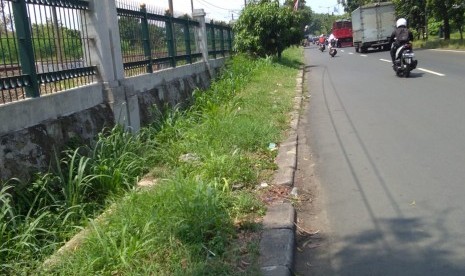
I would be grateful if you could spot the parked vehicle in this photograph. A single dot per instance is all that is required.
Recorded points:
(372, 26)
(405, 60)
(342, 30)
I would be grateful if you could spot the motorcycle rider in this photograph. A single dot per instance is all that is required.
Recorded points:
(400, 36)
(332, 40)
(322, 39)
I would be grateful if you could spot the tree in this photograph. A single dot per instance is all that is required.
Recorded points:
(306, 17)
(129, 29)
(458, 17)
(5, 19)
(304, 13)
(324, 22)
(440, 9)
(415, 13)
(265, 28)
(291, 3)
(351, 5)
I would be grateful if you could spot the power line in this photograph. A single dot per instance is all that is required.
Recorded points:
(210, 4)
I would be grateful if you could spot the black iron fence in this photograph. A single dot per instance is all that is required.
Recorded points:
(45, 44)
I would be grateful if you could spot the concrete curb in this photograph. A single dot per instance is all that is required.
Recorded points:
(278, 239)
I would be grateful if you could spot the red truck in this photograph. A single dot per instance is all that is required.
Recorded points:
(342, 30)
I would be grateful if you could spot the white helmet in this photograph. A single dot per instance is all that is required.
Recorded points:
(401, 22)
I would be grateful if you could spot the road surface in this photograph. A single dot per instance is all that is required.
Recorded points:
(384, 160)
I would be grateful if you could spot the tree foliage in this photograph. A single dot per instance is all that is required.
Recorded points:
(291, 3)
(440, 11)
(5, 19)
(351, 5)
(451, 13)
(458, 17)
(264, 29)
(46, 42)
(415, 13)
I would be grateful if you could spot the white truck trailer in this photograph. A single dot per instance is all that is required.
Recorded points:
(372, 26)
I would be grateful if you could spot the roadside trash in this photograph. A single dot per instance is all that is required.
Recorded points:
(237, 186)
(294, 192)
(272, 146)
(189, 157)
(264, 185)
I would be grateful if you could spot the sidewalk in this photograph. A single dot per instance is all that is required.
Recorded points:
(278, 240)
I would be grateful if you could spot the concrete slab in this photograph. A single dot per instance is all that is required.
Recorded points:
(280, 216)
(277, 247)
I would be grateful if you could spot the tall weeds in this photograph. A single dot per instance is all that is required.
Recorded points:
(210, 154)
(49, 210)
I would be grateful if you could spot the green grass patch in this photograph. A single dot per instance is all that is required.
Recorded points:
(208, 159)
(454, 43)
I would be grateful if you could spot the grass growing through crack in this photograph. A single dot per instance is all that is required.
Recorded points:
(208, 159)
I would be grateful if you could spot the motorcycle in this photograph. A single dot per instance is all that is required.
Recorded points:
(332, 48)
(322, 47)
(405, 60)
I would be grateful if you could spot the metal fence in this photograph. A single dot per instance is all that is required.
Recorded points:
(45, 44)
(43, 47)
(219, 39)
(151, 39)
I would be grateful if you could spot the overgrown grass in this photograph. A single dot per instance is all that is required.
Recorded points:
(455, 43)
(55, 205)
(208, 159)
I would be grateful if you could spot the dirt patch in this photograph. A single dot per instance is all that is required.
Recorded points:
(275, 194)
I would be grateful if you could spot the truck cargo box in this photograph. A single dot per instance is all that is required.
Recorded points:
(372, 26)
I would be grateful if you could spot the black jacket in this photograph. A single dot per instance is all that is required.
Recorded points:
(396, 32)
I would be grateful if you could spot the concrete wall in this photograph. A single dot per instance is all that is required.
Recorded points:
(31, 131)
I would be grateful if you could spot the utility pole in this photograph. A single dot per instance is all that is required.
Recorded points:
(245, 3)
(192, 6)
(170, 3)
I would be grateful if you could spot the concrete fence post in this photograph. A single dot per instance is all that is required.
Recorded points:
(202, 38)
(105, 52)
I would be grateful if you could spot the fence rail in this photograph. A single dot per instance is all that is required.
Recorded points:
(45, 48)
(220, 39)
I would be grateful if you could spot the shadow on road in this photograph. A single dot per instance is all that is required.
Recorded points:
(404, 247)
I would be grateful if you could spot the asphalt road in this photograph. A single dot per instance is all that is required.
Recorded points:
(388, 154)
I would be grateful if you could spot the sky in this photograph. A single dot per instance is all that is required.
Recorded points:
(226, 10)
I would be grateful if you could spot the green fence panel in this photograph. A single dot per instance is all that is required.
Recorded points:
(146, 39)
(26, 50)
